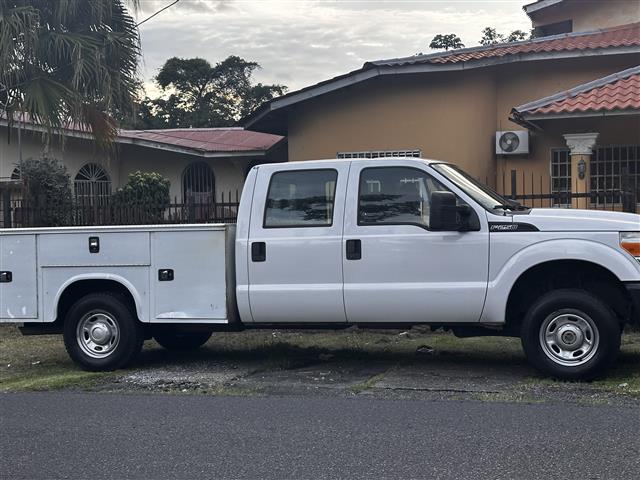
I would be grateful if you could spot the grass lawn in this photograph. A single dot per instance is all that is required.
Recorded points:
(41, 362)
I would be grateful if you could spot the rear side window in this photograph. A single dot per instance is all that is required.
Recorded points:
(301, 198)
(395, 196)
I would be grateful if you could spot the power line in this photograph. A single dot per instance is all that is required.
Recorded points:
(157, 13)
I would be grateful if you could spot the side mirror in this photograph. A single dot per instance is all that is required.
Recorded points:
(443, 214)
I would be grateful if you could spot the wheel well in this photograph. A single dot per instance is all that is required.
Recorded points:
(81, 288)
(554, 275)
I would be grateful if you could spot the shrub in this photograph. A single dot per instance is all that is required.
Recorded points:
(143, 199)
(48, 198)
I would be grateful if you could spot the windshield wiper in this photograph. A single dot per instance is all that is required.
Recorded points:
(510, 205)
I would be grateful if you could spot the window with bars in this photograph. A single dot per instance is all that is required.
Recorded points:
(198, 184)
(561, 177)
(380, 154)
(615, 171)
(92, 185)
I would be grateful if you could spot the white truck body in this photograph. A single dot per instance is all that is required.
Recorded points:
(345, 263)
(46, 261)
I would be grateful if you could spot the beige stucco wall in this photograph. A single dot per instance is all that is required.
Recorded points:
(519, 84)
(73, 153)
(590, 14)
(229, 172)
(444, 115)
(449, 116)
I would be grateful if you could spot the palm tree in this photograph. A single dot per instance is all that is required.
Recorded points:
(68, 61)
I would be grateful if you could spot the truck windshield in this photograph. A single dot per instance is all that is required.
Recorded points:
(480, 193)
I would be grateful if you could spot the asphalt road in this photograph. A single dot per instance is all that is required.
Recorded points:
(73, 435)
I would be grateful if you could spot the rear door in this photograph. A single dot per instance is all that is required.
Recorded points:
(295, 244)
(18, 277)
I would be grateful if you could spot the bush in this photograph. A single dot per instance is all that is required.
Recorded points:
(143, 199)
(48, 198)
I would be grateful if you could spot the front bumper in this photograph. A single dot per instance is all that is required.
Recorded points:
(633, 288)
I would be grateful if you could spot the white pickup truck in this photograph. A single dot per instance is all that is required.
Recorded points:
(385, 243)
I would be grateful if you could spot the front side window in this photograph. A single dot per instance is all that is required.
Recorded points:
(302, 198)
(395, 195)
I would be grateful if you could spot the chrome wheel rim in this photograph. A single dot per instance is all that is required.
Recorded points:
(569, 338)
(98, 334)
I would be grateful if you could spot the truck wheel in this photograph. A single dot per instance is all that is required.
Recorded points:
(175, 340)
(101, 333)
(570, 334)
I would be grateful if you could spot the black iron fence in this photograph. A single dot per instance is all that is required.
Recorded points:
(16, 212)
(547, 192)
(527, 188)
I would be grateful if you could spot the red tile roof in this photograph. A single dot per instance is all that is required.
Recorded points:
(622, 36)
(620, 95)
(621, 40)
(620, 91)
(227, 139)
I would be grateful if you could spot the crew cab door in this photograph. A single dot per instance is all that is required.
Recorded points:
(295, 243)
(395, 268)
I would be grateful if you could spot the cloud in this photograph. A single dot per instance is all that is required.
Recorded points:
(299, 43)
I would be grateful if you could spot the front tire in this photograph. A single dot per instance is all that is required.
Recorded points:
(570, 334)
(101, 332)
(181, 341)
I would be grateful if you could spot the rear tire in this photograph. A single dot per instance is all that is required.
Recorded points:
(101, 333)
(571, 335)
(181, 341)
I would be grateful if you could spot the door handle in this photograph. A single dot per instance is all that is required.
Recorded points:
(6, 277)
(165, 275)
(354, 249)
(258, 251)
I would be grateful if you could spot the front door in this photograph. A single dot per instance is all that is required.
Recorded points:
(404, 272)
(295, 244)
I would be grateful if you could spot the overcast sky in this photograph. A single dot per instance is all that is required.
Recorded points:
(302, 42)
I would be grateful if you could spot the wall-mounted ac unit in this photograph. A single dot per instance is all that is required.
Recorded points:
(514, 142)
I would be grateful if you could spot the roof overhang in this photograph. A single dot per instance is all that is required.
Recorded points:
(540, 5)
(532, 121)
(527, 114)
(125, 140)
(272, 115)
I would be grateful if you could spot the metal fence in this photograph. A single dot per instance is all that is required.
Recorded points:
(543, 192)
(526, 188)
(17, 212)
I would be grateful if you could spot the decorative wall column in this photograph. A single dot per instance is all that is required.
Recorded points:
(581, 145)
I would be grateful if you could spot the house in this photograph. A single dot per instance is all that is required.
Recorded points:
(571, 94)
(204, 165)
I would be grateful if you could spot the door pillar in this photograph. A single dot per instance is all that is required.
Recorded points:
(581, 146)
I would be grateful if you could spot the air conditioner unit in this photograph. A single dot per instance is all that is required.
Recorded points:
(512, 142)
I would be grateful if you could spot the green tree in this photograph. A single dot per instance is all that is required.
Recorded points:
(446, 42)
(143, 199)
(202, 95)
(47, 187)
(68, 60)
(490, 36)
(517, 36)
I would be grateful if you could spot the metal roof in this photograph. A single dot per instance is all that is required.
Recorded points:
(619, 92)
(226, 139)
(207, 142)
